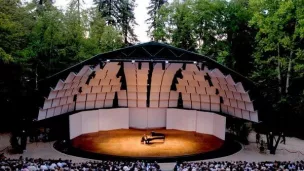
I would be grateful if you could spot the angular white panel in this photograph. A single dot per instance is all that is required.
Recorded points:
(141, 88)
(122, 103)
(60, 93)
(63, 100)
(80, 105)
(211, 90)
(132, 88)
(215, 107)
(132, 103)
(155, 89)
(245, 97)
(231, 111)
(110, 96)
(57, 110)
(224, 87)
(231, 88)
(205, 98)
(190, 89)
(91, 97)
(122, 94)
(106, 88)
(164, 96)
(42, 114)
(195, 98)
(196, 105)
(68, 92)
(241, 105)
(55, 102)
(52, 94)
(187, 104)
(172, 103)
(164, 88)
(254, 116)
(239, 87)
(154, 103)
(142, 96)
(224, 109)
(64, 109)
(71, 107)
(215, 99)
(238, 112)
(132, 95)
(104, 82)
(141, 103)
(230, 80)
(193, 83)
(94, 82)
(67, 85)
(233, 103)
(246, 114)
(101, 96)
(164, 103)
(86, 89)
(237, 96)
(47, 104)
(99, 104)
(70, 100)
(50, 112)
(81, 97)
(186, 96)
(249, 106)
(201, 90)
(90, 105)
(108, 103)
(70, 77)
(174, 95)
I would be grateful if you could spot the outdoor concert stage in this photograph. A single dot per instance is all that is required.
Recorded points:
(127, 143)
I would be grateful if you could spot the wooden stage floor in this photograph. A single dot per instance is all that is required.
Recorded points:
(127, 142)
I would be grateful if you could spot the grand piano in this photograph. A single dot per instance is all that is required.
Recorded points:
(154, 136)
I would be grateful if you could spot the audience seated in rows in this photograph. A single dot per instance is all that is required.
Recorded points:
(64, 165)
(240, 166)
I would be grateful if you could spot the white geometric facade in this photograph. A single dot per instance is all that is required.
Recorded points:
(200, 89)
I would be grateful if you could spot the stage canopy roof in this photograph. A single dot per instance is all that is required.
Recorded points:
(152, 75)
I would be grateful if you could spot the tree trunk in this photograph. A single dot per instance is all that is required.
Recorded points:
(288, 72)
(279, 71)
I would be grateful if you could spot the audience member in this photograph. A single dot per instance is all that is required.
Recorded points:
(26, 164)
(240, 166)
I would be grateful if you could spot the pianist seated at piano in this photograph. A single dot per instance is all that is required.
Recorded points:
(154, 136)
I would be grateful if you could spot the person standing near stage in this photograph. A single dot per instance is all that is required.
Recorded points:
(257, 137)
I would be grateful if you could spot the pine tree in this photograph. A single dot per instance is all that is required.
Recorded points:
(126, 20)
(108, 10)
(153, 8)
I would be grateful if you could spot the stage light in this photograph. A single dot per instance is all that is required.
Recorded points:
(133, 61)
(108, 60)
(194, 62)
(167, 62)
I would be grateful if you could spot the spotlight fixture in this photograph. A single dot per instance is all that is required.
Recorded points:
(133, 61)
(167, 62)
(108, 60)
(194, 62)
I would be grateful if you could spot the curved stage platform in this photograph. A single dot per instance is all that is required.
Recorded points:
(126, 144)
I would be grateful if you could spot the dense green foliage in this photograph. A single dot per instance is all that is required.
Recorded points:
(262, 40)
(37, 40)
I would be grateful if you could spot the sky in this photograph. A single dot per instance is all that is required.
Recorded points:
(140, 16)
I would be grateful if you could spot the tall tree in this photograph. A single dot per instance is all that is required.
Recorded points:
(279, 53)
(153, 8)
(108, 10)
(126, 21)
